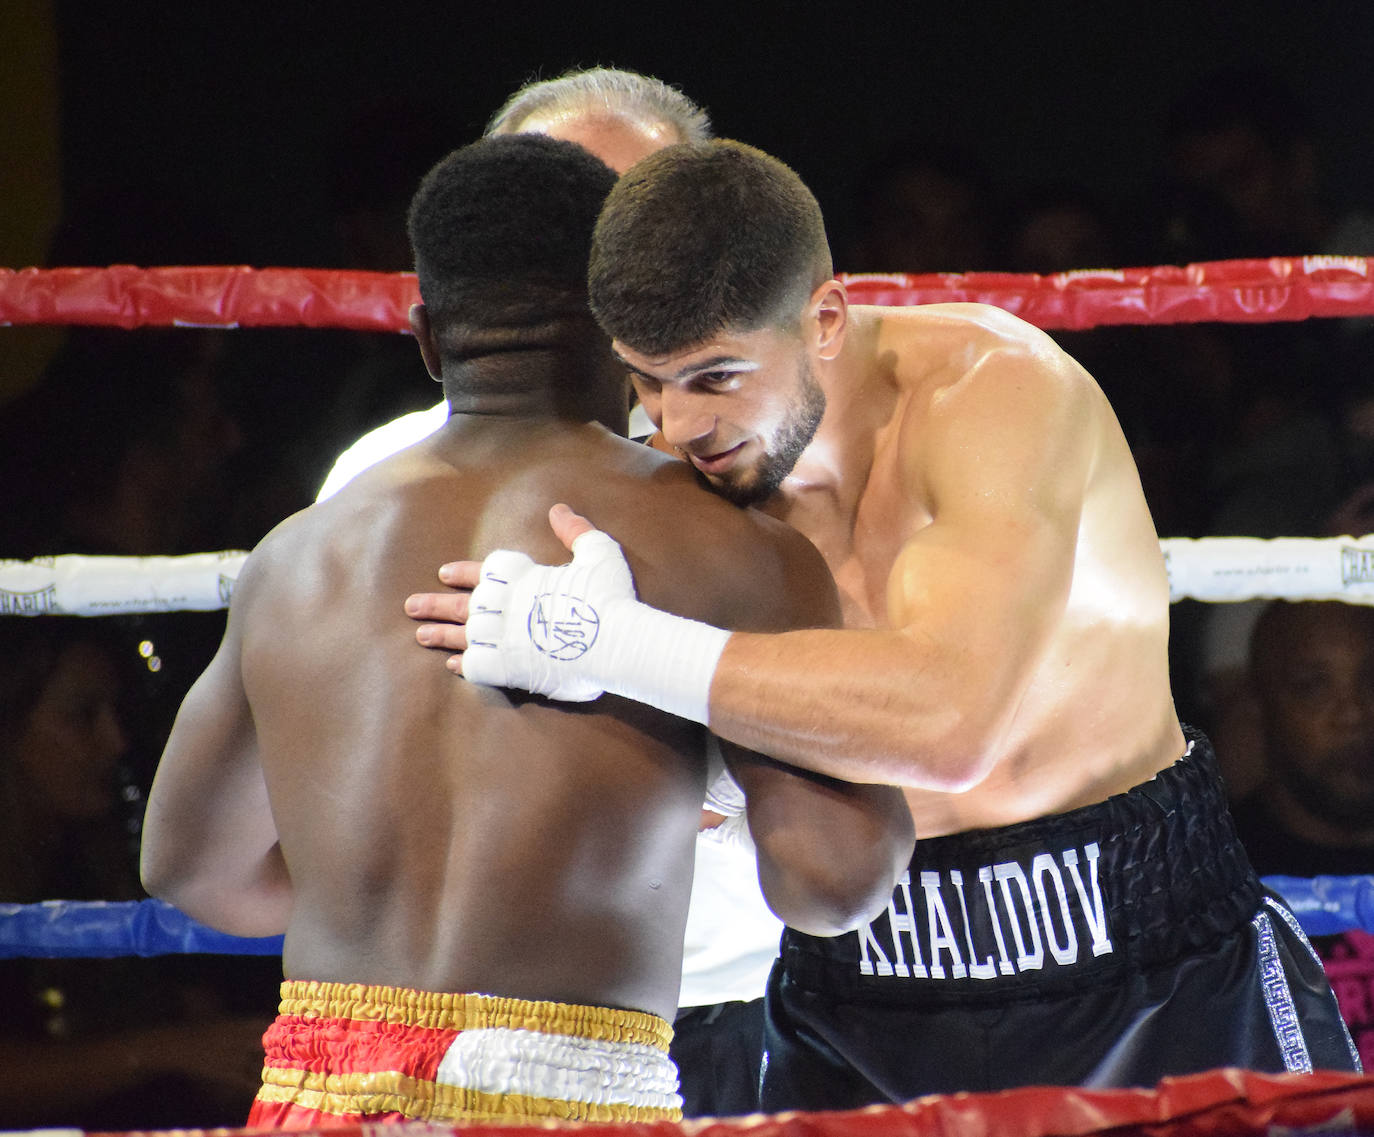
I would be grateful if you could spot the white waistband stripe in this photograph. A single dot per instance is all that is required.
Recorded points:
(503, 1061)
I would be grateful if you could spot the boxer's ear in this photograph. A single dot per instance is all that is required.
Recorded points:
(424, 336)
(829, 307)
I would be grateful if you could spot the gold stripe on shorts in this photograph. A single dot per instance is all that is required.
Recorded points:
(439, 1010)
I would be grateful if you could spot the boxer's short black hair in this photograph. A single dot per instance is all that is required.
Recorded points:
(501, 230)
(704, 237)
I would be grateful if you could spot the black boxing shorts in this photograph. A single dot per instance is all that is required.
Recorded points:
(1108, 946)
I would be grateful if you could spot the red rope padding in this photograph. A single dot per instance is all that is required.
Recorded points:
(225, 296)
(1248, 291)
(1220, 1103)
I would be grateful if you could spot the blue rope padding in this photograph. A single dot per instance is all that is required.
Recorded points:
(100, 929)
(1325, 905)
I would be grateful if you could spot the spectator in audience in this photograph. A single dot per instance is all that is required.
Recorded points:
(1311, 678)
(101, 1044)
(1292, 459)
(125, 449)
(1243, 174)
(922, 205)
(1060, 227)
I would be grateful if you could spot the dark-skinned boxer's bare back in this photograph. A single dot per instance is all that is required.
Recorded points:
(476, 839)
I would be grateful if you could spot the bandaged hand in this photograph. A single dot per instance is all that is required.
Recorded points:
(530, 625)
(574, 631)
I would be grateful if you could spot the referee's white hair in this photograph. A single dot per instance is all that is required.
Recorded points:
(622, 93)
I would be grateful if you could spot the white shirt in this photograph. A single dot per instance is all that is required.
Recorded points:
(382, 442)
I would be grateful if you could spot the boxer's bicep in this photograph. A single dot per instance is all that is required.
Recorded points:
(210, 843)
(982, 581)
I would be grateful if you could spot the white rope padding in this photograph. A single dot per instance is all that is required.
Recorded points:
(1213, 569)
(73, 585)
(1225, 569)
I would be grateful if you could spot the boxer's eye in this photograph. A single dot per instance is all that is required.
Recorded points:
(720, 380)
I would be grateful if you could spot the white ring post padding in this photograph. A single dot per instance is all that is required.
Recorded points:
(73, 585)
(1224, 569)
(1214, 569)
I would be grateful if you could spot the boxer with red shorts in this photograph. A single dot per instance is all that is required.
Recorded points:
(345, 1052)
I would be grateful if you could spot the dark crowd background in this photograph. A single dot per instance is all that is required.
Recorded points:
(981, 135)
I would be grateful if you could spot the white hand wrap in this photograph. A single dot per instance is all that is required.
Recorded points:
(574, 631)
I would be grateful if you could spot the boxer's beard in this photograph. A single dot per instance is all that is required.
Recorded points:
(791, 438)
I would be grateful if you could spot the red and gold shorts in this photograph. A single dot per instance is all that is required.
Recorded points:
(345, 1052)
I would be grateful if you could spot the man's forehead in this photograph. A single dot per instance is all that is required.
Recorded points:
(618, 140)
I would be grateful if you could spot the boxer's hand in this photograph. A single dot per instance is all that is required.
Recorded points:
(451, 608)
(570, 631)
(519, 624)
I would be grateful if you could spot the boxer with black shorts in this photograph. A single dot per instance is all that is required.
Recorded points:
(1004, 659)
(1109, 946)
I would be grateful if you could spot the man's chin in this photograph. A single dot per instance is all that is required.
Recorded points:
(738, 493)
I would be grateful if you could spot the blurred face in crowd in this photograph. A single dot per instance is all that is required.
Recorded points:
(1313, 669)
(73, 738)
(1265, 183)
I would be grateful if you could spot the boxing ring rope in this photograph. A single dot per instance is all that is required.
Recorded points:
(1213, 569)
(1220, 1102)
(103, 929)
(237, 296)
